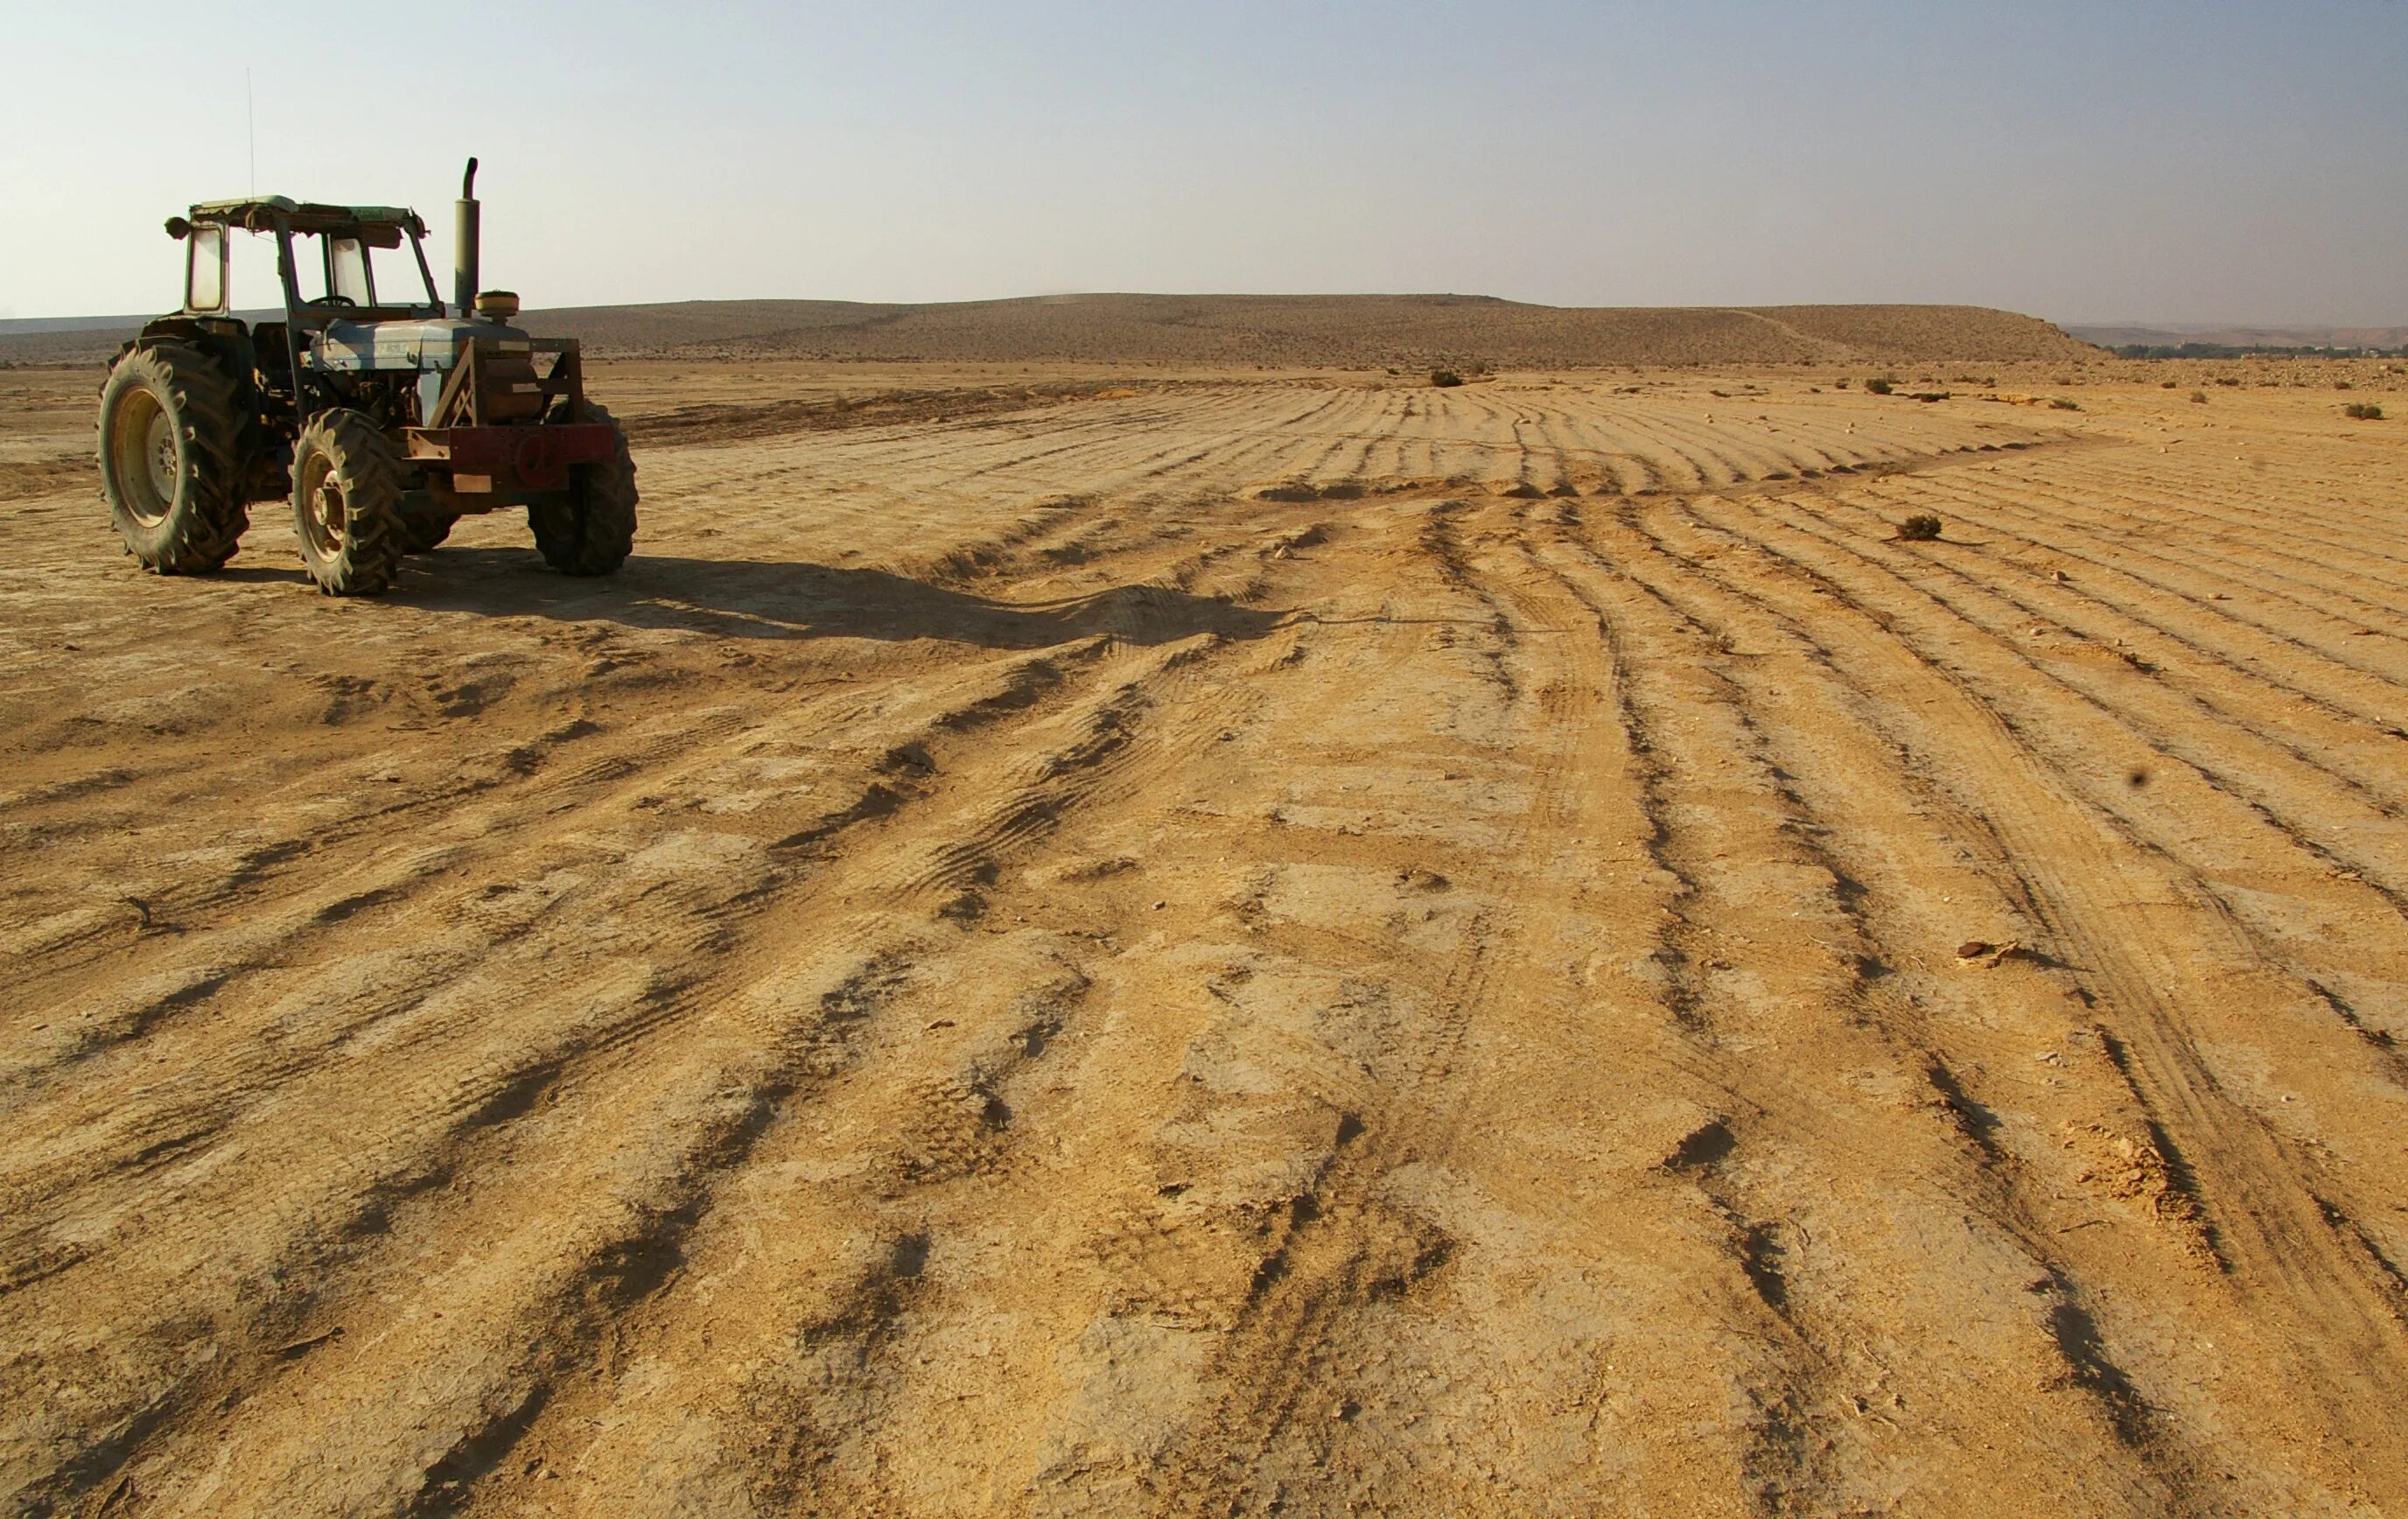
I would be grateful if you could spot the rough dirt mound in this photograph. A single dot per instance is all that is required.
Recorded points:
(1277, 331)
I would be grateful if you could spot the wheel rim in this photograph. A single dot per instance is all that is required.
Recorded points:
(146, 457)
(323, 510)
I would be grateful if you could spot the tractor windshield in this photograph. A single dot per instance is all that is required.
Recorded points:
(398, 276)
(360, 272)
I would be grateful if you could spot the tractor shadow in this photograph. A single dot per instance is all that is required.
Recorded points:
(757, 599)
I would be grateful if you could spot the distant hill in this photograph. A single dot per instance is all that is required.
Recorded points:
(2226, 335)
(1313, 330)
(1280, 330)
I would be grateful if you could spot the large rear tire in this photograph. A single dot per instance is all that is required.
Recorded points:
(593, 530)
(171, 459)
(346, 503)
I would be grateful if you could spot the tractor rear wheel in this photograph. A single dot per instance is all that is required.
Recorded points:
(346, 503)
(593, 530)
(171, 461)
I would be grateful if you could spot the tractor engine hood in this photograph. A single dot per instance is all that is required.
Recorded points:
(431, 343)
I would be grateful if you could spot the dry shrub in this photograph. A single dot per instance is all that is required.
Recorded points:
(2061, 404)
(1443, 377)
(2362, 411)
(2199, 397)
(1920, 528)
(1880, 386)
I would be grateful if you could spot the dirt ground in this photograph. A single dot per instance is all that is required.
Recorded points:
(1228, 944)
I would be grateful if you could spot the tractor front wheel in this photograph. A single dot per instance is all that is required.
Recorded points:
(346, 503)
(593, 530)
(422, 532)
(171, 463)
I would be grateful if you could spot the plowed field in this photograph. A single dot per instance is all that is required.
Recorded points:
(1224, 944)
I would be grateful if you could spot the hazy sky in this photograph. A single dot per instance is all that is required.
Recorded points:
(2083, 161)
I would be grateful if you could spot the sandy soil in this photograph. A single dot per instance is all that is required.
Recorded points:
(1224, 943)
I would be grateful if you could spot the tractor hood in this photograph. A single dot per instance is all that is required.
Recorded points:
(422, 343)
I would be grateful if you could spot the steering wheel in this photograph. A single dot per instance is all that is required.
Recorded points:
(333, 300)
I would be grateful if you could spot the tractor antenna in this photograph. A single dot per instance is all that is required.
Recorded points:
(251, 133)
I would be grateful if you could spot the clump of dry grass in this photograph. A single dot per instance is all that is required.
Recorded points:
(1920, 528)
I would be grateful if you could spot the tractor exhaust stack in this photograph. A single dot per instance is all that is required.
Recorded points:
(464, 245)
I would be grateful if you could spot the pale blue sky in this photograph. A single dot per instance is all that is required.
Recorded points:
(2086, 162)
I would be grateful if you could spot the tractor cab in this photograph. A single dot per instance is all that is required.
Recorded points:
(358, 299)
(344, 260)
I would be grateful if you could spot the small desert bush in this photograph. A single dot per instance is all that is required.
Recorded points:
(1879, 386)
(2167, 385)
(2061, 404)
(1443, 377)
(2343, 385)
(2362, 412)
(1841, 384)
(1920, 528)
(2199, 397)
(2229, 379)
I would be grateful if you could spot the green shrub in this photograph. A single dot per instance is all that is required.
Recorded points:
(1920, 528)
(2362, 412)
(1879, 387)
(1443, 377)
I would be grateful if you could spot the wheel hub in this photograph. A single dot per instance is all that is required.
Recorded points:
(159, 450)
(326, 504)
(143, 463)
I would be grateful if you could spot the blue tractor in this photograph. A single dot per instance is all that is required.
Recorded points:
(384, 416)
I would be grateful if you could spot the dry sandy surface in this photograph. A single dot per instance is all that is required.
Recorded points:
(1226, 943)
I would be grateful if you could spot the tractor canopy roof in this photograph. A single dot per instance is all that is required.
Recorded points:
(380, 225)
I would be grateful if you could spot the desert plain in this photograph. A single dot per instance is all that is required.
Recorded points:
(1176, 934)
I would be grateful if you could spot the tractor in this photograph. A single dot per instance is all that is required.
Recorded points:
(384, 418)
